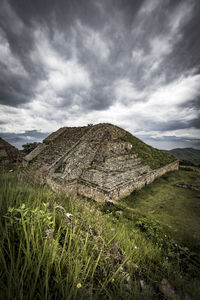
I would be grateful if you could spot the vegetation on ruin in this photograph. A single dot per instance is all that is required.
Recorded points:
(151, 156)
(53, 247)
(28, 147)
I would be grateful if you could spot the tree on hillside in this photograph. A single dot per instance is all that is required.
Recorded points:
(27, 148)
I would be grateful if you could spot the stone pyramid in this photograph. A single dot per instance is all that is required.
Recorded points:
(102, 162)
(8, 153)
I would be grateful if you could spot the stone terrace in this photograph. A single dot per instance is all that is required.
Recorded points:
(93, 161)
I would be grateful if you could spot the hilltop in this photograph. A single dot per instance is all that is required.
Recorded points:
(100, 162)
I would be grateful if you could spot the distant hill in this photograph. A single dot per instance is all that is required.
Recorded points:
(186, 154)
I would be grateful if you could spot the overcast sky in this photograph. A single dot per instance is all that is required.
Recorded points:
(132, 63)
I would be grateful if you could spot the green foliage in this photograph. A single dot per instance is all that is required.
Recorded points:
(186, 163)
(27, 148)
(150, 226)
(150, 156)
(53, 247)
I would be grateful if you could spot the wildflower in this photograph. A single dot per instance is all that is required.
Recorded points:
(68, 221)
(100, 230)
(68, 215)
(112, 280)
(104, 272)
(135, 247)
(48, 232)
(79, 285)
(90, 227)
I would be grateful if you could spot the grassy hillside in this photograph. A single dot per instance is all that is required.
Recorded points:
(153, 157)
(187, 154)
(175, 207)
(52, 247)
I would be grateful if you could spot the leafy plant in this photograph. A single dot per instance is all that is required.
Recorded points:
(150, 227)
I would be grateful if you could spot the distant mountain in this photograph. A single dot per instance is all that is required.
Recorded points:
(186, 154)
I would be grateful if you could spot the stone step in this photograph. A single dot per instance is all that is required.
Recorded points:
(111, 179)
(120, 165)
(121, 157)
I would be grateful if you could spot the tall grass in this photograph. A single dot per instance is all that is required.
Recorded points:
(52, 247)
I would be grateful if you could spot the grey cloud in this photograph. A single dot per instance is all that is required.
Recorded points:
(15, 89)
(171, 142)
(101, 98)
(121, 28)
(186, 54)
(175, 125)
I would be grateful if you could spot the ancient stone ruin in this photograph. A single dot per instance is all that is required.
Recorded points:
(8, 153)
(97, 161)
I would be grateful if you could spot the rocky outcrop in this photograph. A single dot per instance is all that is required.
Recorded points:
(93, 161)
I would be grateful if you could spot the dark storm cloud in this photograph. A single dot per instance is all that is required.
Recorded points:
(63, 60)
(28, 15)
(188, 49)
(174, 125)
(14, 90)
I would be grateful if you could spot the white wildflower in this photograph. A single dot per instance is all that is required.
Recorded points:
(68, 215)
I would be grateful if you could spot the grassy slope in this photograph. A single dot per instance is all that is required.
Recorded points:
(173, 206)
(150, 156)
(96, 248)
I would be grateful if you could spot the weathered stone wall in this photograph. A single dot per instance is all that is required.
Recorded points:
(124, 190)
(102, 194)
(69, 189)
